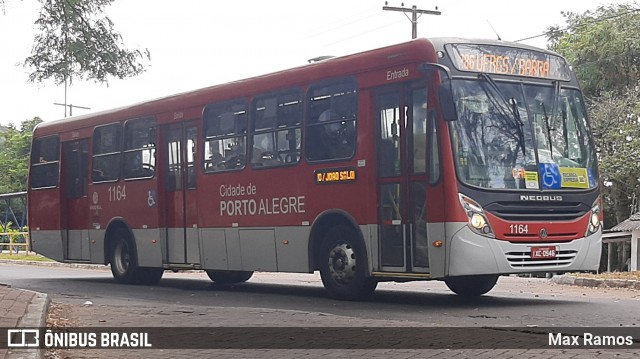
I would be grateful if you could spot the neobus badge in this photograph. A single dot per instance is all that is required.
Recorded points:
(540, 198)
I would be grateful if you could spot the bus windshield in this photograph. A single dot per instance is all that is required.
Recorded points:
(521, 136)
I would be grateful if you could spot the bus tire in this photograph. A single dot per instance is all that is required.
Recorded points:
(471, 286)
(343, 265)
(150, 276)
(124, 265)
(228, 276)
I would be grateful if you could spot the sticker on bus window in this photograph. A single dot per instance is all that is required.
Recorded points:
(531, 180)
(574, 177)
(550, 174)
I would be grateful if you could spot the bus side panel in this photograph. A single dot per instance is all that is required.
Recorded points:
(149, 248)
(292, 244)
(96, 251)
(47, 243)
(46, 237)
(258, 250)
(214, 249)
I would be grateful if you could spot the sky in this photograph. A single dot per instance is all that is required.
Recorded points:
(199, 43)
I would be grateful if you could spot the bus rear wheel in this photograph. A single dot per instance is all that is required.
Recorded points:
(343, 265)
(149, 276)
(228, 277)
(124, 266)
(471, 286)
(124, 263)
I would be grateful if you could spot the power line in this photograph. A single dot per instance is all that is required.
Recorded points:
(363, 33)
(594, 21)
(343, 22)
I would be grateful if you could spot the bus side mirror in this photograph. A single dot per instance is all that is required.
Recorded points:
(445, 92)
(447, 104)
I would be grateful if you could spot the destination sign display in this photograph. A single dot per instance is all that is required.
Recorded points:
(504, 60)
(335, 175)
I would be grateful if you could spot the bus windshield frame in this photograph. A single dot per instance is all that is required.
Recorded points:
(521, 136)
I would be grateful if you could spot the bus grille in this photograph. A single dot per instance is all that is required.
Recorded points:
(538, 211)
(523, 259)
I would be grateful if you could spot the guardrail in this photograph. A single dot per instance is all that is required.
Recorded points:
(12, 245)
(13, 231)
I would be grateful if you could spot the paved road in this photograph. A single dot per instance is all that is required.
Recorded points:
(297, 300)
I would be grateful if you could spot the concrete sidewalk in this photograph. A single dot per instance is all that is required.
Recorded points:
(21, 309)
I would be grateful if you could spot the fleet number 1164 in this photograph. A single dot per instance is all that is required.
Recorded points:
(519, 228)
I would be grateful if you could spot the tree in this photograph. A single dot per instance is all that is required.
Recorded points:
(604, 48)
(14, 156)
(616, 128)
(75, 40)
(602, 45)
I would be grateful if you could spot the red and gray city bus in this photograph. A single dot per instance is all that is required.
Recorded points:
(449, 159)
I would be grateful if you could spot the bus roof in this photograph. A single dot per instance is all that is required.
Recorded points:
(415, 50)
(407, 52)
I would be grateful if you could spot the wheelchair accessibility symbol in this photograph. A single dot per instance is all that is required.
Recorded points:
(550, 173)
(151, 199)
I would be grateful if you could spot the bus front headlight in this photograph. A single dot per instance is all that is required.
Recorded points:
(596, 218)
(477, 220)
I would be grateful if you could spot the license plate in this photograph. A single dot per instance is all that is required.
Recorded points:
(543, 252)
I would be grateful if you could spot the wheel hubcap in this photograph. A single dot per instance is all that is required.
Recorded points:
(342, 263)
(122, 258)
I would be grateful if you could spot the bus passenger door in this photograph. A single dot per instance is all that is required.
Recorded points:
(179, 146)
(75, 214)
(402, 179)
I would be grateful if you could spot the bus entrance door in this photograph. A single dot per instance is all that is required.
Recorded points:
(181, 217)
(401, 146)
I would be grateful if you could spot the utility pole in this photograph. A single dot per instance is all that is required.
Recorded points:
(414, 15)
(65, 102)
(71, 107)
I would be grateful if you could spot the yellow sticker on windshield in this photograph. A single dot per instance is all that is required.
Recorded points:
(574, 177)
(531, 179)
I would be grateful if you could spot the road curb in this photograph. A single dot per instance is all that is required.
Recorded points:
(595, 283)
(34, 317)
(55, 264)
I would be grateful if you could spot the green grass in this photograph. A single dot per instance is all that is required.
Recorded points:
(23, 257)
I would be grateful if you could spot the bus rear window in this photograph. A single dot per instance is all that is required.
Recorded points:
(45, 162)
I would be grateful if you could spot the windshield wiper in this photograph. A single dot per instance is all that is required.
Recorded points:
(511, 105)
(556, 95)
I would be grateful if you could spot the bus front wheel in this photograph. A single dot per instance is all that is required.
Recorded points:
(343, 265)
(471, 286)
(228, 277)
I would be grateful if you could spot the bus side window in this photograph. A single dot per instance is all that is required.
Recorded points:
(45, 162)
(139, 148)
(225, 128)
(331, 121)
(107, 143)
(276, 123)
